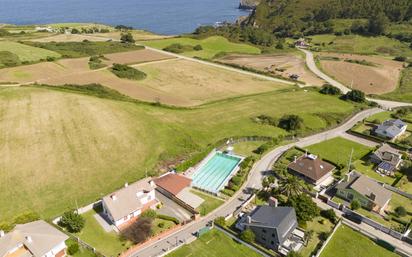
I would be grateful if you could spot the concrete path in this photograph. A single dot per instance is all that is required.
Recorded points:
(103, 222)
(360, 140)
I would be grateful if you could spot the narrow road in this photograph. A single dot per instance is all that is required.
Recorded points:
(310, 62)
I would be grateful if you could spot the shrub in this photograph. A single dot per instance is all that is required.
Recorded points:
(400, 58)
(329, 214)
(328, 89)
(220, 221)
(400, 211)
(9, 59)
(356, 96)
(127, 38)
(26, 217)
(124, 71)
(151, 214)
(161, 225)
(248, 236)
(294, 254)
(355, 204)
(72, 221)
(138, 231)
(291, 122)
(197, 48)
(169, 218)
(236, 180)
(73, 248)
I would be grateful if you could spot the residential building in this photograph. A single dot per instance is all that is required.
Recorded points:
(391, 129)
(37, 239)
(311, 168)
(177, 187)
(128, 203)
(387, 160)
(371, 195)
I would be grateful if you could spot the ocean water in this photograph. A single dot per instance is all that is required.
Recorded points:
(168, 17)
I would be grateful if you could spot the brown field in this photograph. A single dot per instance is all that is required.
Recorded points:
(291, 64)
(138, 56)
(372, 80)
(69, 38)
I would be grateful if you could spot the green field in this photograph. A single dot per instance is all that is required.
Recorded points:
(26, 53)
(347, 243)
(211, 46)
(404, 90)
(338, 150)
(210, 202)
(356, 44)
(60, 148)
(317, 227)
(214, 244)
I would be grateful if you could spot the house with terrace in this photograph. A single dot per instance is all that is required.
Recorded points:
(391, 129)
(34, 239)
(312, 169)
(128, 203)
(370, 194)
(387, 160)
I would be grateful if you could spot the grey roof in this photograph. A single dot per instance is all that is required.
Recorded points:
(388, 154)
(189, 198)
(43, 235)
(367, 187)
(283, 219)
(391, 128)
(126, 198)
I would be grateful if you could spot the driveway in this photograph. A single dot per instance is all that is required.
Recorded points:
(171, 208)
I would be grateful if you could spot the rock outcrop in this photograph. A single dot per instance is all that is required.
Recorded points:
(248, 4)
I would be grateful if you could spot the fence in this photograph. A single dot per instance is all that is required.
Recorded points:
(396, 190)
(329, 238)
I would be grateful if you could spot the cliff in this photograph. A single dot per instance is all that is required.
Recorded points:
(248, 4)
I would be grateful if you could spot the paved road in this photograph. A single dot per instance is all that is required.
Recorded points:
(310, 62)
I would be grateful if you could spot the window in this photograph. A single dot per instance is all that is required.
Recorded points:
(263, 238)
(272, 243)
(273, 235)
(264, 231)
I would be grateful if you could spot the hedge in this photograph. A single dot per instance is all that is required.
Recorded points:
(169, 218)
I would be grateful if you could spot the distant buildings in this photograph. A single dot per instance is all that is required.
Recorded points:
(128, 203)
(37, 239)
(387, 159)
(371, 195)
(311, 168)
(391, 129)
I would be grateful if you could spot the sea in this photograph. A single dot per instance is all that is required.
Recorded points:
(169, 17)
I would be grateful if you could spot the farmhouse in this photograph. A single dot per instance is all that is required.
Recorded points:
(311, 168)
(177, 187)
(391, 129)
(37, 239)
(272, 225)
(129, 202)
(371, 195)
(387, 158)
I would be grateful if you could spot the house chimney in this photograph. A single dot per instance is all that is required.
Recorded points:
(306, 153)
(28, 239)
(372, 196)
(114, 197)
(273, 202)
(152, 183)
(126, 184)
(249, 219)
(295, 159)
(1, 233)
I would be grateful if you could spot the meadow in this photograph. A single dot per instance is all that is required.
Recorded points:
(211, 46)
(52, 139)
(403, 92)
(26, 53)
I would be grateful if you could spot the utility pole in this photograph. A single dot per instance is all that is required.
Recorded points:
(350, 160)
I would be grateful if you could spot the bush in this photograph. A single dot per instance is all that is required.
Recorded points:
(127, 38)
(355, 204)
(356, 96)
(294, 254)
(72, 221)
(151, 214)
(248, 236)
(330, 215)
(161, 225)
(400, 211)
(400, 58)
(197, 48)
(26, 217)
(169, 218)
(291, 122)
(220, 221)
(73, 248)
(138, 231)
(328, 89)
(124, 71)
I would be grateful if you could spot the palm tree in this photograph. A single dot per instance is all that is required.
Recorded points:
(291, 186)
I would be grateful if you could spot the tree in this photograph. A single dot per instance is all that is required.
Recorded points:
(248, 236)
(305, 208)
(291, 186)
(355, 204)
(378, 24)
(73, 248)
(197, 48)
(355, 95)
(329, 214)
(220, 221)
(291, 122)
(138, 231)
(72, 221)
(328, 89)
(400, 211)
(127, 38)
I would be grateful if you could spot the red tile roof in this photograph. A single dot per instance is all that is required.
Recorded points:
(173, 183)
(311, 166)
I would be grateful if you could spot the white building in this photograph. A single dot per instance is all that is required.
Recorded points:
(37, 239)
(130, 201)
(391, 129)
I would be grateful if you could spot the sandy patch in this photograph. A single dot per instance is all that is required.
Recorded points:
(291, 64)
(138, 56)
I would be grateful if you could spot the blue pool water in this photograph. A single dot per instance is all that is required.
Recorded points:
(213, 175)
(160, 16)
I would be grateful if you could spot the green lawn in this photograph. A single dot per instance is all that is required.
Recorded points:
(83, 252)
(93, 234)
(357, 44)
(158, 229)
(379, 117)
(214, 244)
(347, 243)
(209, 204)
(317, 228)
(211, 46)
(399, 200)
(91, 146)
(404, 90)
(26, 53)
(369, 170)
(338, 150)
(247, 148)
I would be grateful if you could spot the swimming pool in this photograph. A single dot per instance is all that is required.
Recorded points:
(213, 175)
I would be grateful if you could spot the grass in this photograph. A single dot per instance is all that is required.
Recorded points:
(210, 203)
(127, 72)
(399, 200)
(338, 150)
(247, 148)
(158, 229)
(109, 244)
(347, 242)
(379, 117)
(26, 53)
(211, 46)
(404, 90)
(369, 170)
(83, 252)
(317, 229)
(214, 244)
(83, 49)
(357, 44)
(52, 139)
